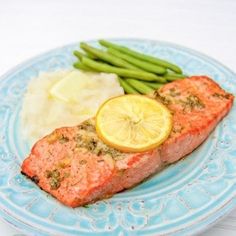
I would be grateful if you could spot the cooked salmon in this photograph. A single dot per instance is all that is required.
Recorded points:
(77, 168)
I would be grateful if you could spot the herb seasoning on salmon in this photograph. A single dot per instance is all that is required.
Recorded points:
(77, 168)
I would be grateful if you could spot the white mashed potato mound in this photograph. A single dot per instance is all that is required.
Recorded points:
(41, 113)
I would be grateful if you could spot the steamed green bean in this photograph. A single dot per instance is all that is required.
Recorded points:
(147, 66)
(142, 56)
(107, 57)
(153, 85)
(139, 86)
(122, 72)
(127, 87)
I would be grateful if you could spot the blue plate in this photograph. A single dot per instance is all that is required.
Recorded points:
(185, 198)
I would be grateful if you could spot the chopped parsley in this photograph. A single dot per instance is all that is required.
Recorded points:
(63, 139)
(82, 162)
(220, 96)
(173, 92)
(54, 177)
(87, 139)
(163, 99)
(192, 102)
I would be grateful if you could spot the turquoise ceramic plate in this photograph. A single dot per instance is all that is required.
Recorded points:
(186, 198)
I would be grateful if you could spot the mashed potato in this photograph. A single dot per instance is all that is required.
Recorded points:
(42, 113)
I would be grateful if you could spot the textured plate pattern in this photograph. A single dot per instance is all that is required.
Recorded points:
(183, 199)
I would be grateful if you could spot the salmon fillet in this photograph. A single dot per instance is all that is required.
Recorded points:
(77, 168)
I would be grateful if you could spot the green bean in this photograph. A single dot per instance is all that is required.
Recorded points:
(147, 66)
(139, 86)
(79, 65)
(142, 75)
(127, 87)
(79, 55)
(153, 85)
(107, 57)
(91, 56)
(173, 76)
(142, 56)
(176, 75)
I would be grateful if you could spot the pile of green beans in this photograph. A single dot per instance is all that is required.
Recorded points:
(137, 73)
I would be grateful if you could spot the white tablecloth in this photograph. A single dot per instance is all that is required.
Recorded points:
(28, 28)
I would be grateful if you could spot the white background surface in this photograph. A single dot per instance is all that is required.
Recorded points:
(28, 28)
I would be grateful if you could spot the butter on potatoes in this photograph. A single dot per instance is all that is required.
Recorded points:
(64, 98)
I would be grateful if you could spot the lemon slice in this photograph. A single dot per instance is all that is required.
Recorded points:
(69, 88)
(133, 123)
